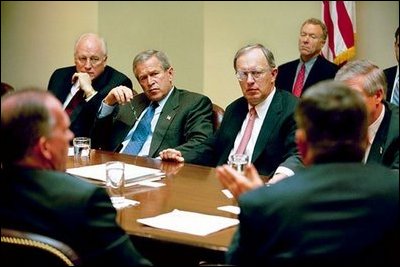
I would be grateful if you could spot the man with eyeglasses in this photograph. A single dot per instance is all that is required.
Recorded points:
(271, 144)
(161, 117)
(82, 87)
(297, 75)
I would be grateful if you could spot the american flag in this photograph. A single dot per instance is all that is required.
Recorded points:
(340, 19)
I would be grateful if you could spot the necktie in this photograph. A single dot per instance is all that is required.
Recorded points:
(75, 100)
(395, 97)
(141, 132)
(247, 132)
(298, 85)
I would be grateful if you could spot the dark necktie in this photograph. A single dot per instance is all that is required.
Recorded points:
(76, 99)
(247, 131)
(298, 85)
(141, 132)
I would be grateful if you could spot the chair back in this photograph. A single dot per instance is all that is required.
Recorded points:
(218, 115)
(19, 248)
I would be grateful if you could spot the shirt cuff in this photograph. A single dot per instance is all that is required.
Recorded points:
(284, 170)
(105, 110)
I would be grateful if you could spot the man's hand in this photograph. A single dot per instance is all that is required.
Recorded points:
(237, 183)
(84, 83)
(172, 155)
(120, 94)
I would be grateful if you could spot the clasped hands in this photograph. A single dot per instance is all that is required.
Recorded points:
(84, 83)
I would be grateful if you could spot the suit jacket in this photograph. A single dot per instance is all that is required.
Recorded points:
(321, 70)
(184, 123)
(275, 145)
(337, 214)
(390, 74)
(68, 209)
(83, 116)
(385, 147)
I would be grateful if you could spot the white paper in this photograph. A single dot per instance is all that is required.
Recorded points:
(189, 222)
(151, 183)
(126, 203)
(133, 174)
(230, 208)
(227, 193)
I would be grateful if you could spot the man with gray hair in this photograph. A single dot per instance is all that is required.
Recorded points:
(383, 117)
(161, 117)
(82, 87)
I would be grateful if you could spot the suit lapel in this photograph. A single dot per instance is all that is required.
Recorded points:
(271, 119)
(165, 119)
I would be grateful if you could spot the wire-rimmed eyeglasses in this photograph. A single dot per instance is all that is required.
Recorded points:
(94, 61)
(256, 74)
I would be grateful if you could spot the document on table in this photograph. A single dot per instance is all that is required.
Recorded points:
(133, 174)
(189, 222)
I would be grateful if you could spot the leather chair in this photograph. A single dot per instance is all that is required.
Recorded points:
(218, 114)
(19, 248)
(5, 88)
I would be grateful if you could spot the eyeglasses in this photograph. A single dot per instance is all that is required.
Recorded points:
(94, 61)
(256, 74)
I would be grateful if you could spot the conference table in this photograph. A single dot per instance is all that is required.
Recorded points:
(188, 187)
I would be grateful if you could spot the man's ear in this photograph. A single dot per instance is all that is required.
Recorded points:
(42, 148)
(302, 145)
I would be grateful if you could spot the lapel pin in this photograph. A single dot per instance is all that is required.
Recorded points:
(169, 117)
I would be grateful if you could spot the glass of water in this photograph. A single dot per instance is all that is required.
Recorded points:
(82, 147)
(115, 181)
(238, 162)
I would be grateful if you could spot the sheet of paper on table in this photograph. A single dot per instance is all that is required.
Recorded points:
(133, 174)
(189, 222)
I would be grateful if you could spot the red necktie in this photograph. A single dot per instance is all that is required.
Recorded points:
(76, 99)
(298, 85)
(247, 132)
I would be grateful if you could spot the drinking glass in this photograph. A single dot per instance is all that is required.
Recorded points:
(238, 162)
(115, 181)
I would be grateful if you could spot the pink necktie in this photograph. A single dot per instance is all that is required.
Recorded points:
(247, 132)
(298, 85)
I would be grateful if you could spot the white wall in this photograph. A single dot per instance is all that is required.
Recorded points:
(200, 37)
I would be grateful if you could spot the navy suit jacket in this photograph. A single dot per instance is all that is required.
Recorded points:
(83, 116)
(184, 123)
(337, 214)
(390, 74)
(68, 209)
(321, 70)
(275, 144)
(385, 148)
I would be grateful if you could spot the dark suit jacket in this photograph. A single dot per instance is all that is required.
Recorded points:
(342, 214)
(275, 143)
(390, 74)
(68, 209)
(184, 123)
(83, 116)
(321, 70)
(385, 148)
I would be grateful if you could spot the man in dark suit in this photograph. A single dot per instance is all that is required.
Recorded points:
(38, 196)
(181, 120)
(392, 74)
(335, 212)
(271, 144)
(313, 34)
(383, 117)
(82, 87)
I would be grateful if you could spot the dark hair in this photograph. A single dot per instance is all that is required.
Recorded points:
(24, 119)
(396, 34)
(334, 118)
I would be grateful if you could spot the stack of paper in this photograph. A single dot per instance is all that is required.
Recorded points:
(133, 174)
